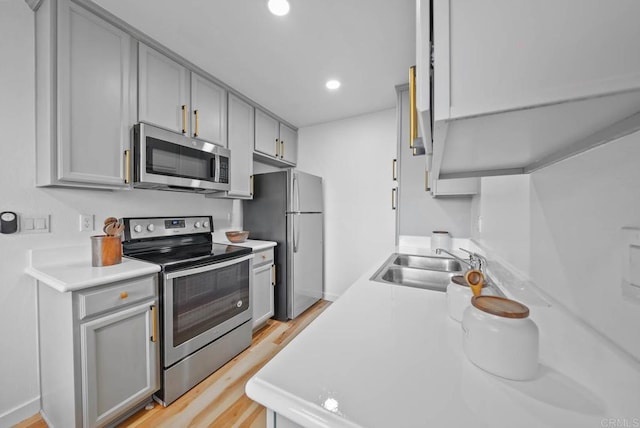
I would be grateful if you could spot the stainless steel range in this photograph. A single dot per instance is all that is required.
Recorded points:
(204, 296)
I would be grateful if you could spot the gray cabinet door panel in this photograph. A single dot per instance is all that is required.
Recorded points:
(241, 137)
(267, 134)
(94, 73)
(163, 88)
(119, 363)
(289, 137)
(210, 102)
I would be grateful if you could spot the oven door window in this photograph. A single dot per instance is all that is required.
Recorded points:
(171, 159)
(204, 300)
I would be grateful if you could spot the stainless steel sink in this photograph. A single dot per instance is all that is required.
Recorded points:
(426, 262)
(431, 273)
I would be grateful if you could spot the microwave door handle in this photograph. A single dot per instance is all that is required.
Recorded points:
(216, 168)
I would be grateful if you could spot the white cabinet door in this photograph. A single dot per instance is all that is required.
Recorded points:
(267, 135)
(241, 137)
(208, 111)
(94, 105)
(163, 91)
(289, 144)
(119, 362)
(263, 303)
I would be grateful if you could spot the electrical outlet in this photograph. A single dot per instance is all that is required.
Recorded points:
(479, 224)
(86, 223)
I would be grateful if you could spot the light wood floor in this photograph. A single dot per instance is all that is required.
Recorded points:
(219, 400)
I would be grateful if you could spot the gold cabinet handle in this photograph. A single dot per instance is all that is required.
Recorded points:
(273, 275)
(413, 112)
(127, 166)
(154, 324)
(251, 185)
(184, 119)
(393, 198)
(277, 147)
(426, 181)
(394, 169)
(124, 295)
(282, 151)
(197, 130)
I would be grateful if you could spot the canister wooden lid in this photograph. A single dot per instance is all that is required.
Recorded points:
(500, 306)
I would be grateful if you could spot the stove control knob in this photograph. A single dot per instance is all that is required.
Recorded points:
(151, 228)
(205, 224)
(138, 228)
(197, 225)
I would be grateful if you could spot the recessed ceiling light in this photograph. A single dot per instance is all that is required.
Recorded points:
(332, 85)
(278, 7)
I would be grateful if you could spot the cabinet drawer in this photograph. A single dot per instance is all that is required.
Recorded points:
(92, 302)
(263, 257)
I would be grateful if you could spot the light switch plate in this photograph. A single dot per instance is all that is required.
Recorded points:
(630, 252)
(35, 223)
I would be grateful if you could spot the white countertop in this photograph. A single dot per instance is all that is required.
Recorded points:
(69, 268)
(389, 356)
(249, 243)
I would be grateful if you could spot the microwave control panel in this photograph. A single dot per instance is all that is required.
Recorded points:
(224, 170)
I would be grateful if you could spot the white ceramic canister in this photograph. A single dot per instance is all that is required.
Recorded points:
(499, 337)
(441, 239)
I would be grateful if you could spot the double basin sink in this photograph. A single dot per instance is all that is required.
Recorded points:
(427, 272)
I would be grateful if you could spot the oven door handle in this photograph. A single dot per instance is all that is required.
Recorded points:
(209, 267)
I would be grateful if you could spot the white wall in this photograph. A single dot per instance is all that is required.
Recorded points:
(576, 210)
(354, 158)
(18, 343)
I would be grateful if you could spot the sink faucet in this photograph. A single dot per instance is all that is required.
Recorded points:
(476, 261)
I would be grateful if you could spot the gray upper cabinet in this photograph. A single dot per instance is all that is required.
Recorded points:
(276, 143)
(209, 110)
(85, 89)
(163, 91)
(288, 144)
(174, 98)
(241, 137)
(267, 135)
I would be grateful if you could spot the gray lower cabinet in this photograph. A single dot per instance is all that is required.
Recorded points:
(86, 92)
(99, 352)
(263, 287)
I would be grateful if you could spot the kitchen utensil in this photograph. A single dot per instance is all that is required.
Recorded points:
(475, 279)
(110, 220)
(500, 338)
(237, 236)
(105, 250)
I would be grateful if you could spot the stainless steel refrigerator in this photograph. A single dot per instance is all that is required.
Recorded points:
(287, 208)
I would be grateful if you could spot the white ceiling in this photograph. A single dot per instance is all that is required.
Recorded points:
(282, 63)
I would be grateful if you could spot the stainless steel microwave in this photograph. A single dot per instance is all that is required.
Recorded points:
(165, 160)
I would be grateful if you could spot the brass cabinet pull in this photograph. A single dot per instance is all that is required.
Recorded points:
(393, 198)
(413, 112)
(394, 169)
(426, 181)
(127, 166)
(197, 130)
(251, 184)
(277, 147)
(154, 324)
(282, 151)
(273, 275)
(184, 119)
(124, 295)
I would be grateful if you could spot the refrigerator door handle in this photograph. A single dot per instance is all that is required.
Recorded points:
(296, 193)
(296, 233)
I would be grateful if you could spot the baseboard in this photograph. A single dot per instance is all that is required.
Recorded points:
(20, 413)
(330, 297)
